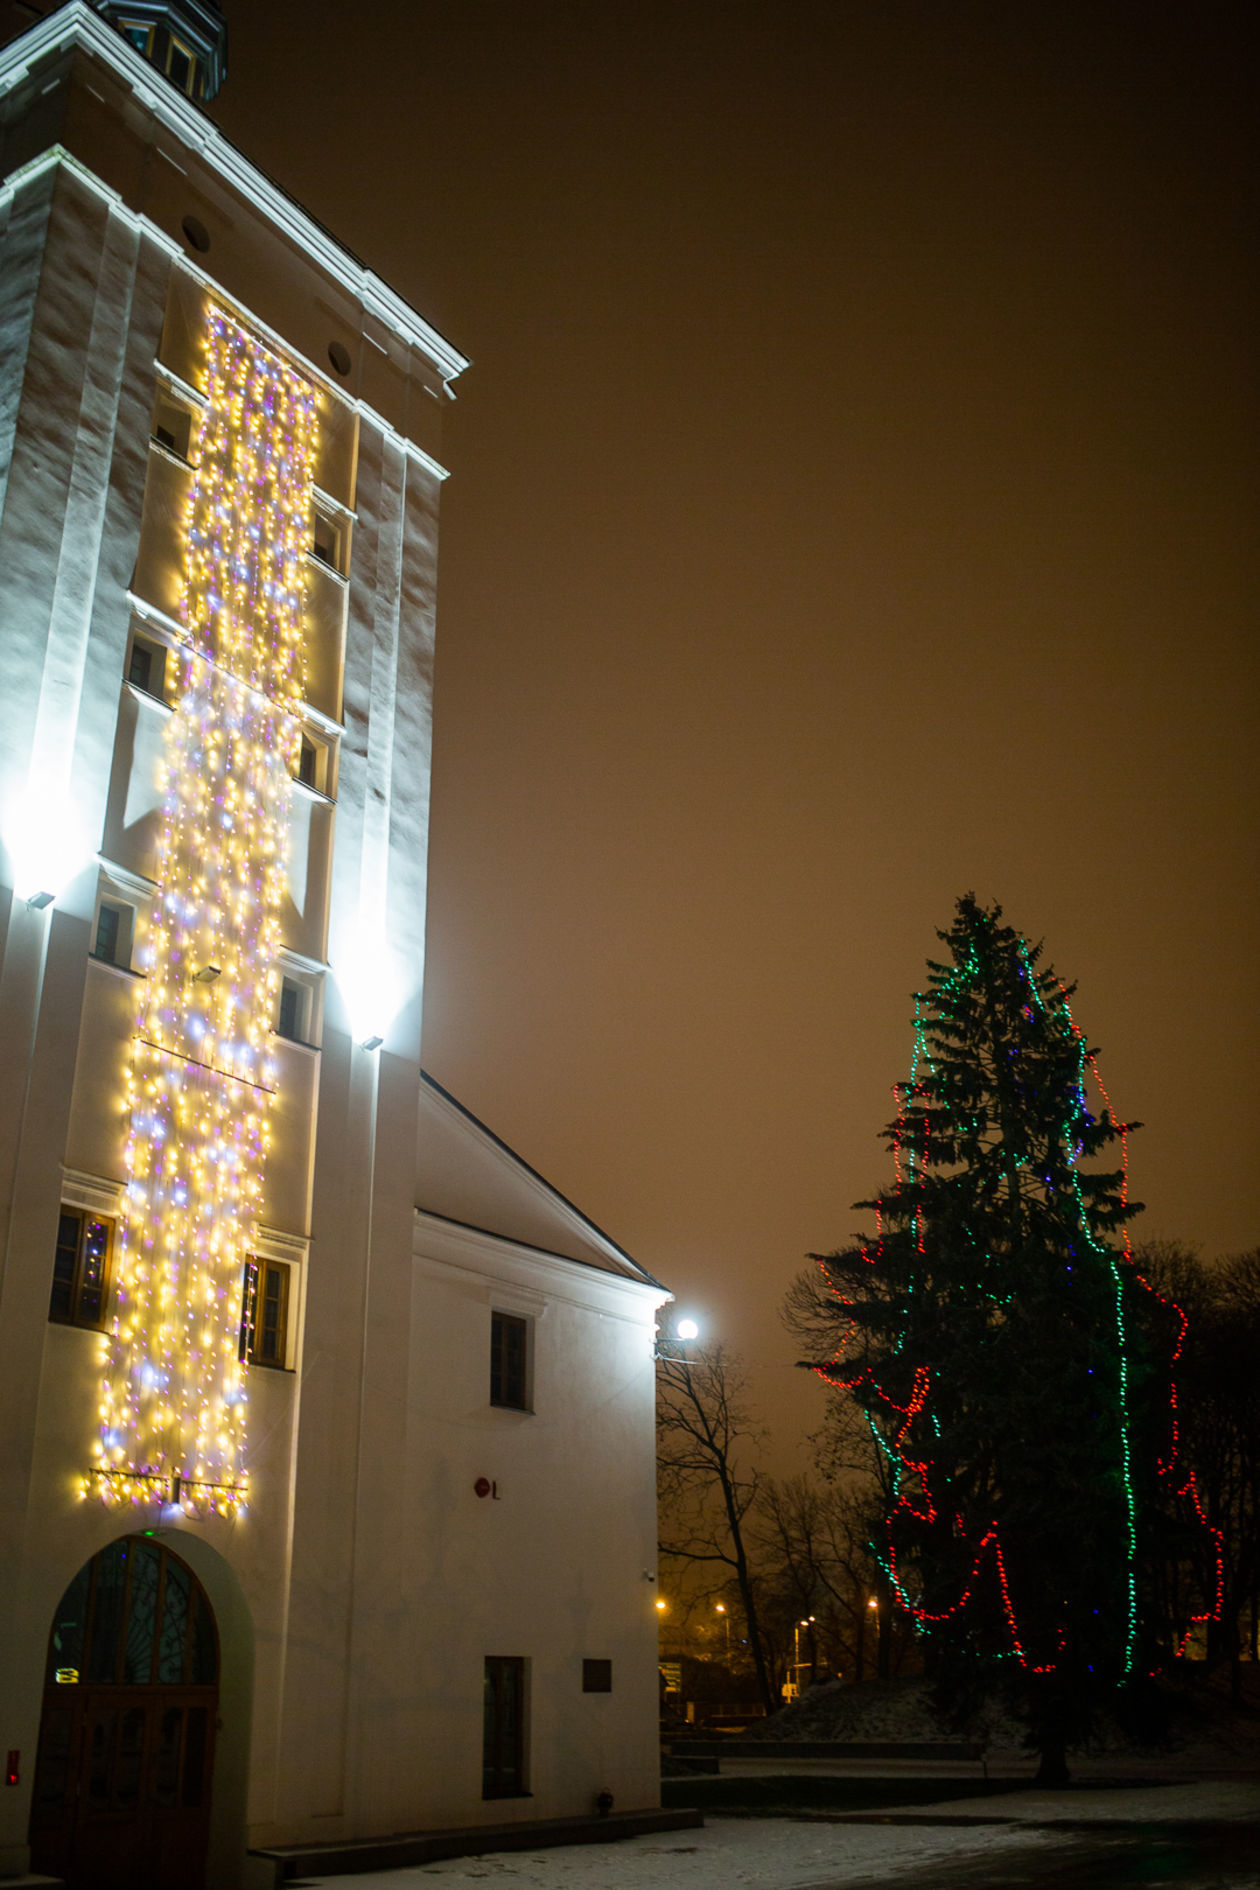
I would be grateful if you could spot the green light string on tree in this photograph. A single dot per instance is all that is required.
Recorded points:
(996, 1227)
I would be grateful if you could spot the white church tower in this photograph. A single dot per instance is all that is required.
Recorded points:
(326, 1476)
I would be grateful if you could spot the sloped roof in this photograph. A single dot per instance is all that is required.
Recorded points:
(464, 1173)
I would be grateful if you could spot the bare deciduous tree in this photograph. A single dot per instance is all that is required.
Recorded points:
(707, 1482)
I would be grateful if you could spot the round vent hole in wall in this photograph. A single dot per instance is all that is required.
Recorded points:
(339, 356)
(196, 233)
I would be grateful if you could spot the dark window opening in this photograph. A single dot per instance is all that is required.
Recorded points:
(290, 1020)
(172, 424)
(140, 668)
(597, 1676)
(181, 67)
(146, 667)
(264, 1312)
(509, 1348)
(503, 1734)
(308, 763)
(80, 1282)
(326, 542)
(108, 921)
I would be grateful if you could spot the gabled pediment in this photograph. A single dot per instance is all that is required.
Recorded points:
(465, 1174)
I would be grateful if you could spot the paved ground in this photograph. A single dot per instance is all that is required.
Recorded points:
(1201, 1835)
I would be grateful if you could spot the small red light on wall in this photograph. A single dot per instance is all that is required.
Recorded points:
(11, 1766)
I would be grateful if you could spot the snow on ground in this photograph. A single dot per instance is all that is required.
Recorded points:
(728, 1854)
(803, 1854)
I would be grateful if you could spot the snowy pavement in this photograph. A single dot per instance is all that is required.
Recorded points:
(808, 1854)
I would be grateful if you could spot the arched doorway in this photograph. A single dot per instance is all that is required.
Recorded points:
(126, 1741)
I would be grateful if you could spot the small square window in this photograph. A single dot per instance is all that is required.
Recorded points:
(146, 666)
(264, 1312)
(312, 764)
(138, 34)
(80, 1284)
(181, 67)
(291, 1018)
(509, 1361)
(114, 923)
(172, 425)
(326, 541)
(597, 1676)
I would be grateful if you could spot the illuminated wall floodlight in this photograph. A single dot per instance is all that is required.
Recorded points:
(39, 900)
(687, 1329)
(372, 1043)
(207, 974)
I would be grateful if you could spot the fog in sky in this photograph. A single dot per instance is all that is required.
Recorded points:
(852, 504)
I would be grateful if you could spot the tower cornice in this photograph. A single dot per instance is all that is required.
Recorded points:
(78, 26)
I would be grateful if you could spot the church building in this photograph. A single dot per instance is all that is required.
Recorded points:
(327, 1498)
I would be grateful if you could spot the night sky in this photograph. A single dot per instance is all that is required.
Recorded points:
(853, 504)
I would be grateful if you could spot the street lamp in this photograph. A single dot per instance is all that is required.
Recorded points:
(719, 1607)
(674, 1345)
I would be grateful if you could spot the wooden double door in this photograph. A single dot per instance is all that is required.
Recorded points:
(126, 1751)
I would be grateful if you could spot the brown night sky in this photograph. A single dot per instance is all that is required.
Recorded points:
(852, 504)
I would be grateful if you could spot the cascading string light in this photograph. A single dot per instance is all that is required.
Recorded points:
(201, 1078)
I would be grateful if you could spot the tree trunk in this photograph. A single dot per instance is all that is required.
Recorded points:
(1053, 1768)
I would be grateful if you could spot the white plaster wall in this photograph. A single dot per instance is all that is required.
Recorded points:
(359, 1596)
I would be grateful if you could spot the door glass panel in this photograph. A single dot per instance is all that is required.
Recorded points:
(174, 1625)
(65, 1649)
(166, 1769)
(204, 1666)
(100, 1757)
(130, 1758)
(141, 1615)
(107, 1608)
(195, 1757)
(54, 1756)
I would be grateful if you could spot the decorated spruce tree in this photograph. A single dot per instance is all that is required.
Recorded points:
(1005, 1351)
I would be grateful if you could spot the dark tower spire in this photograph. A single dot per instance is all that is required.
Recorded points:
(185, 39)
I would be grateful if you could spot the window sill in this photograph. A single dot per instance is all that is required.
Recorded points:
(331, 570)
(112, 964)
(499, 1797)
(314, 793)
(170, 452)
(513, 1410)
(147, 695)
(299, 1043)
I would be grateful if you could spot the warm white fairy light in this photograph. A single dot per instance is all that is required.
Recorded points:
(201, 1076)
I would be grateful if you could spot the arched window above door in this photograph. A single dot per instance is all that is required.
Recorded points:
(135, 1615)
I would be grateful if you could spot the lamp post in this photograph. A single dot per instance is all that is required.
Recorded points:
(797, 1662)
